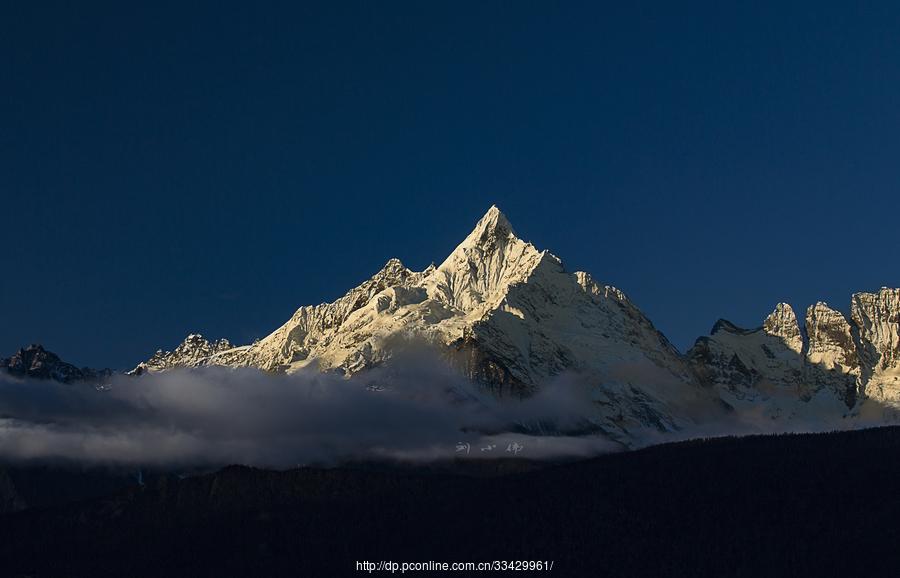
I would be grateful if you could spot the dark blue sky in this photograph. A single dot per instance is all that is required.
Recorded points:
(184, 168)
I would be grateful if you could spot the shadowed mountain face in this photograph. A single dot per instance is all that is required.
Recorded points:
(795, 505)
(36, 362)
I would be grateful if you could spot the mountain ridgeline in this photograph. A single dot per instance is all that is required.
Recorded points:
(850, 361)
(511, 318)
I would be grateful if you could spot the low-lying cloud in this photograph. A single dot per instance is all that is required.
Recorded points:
(216, 416)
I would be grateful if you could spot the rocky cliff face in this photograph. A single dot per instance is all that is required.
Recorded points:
(877, 318)
(36, 362)
(832, 359)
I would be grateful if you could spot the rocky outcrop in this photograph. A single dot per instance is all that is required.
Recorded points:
(36, 362)
(194, 351)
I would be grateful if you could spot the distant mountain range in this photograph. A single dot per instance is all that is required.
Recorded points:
(511, 318)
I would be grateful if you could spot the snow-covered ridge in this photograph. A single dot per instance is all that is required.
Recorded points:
(512, 318)
(194, 351)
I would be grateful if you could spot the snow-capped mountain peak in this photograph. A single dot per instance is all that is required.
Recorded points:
(507, 314)
(476, 274)
(511, 318)
(493, 225)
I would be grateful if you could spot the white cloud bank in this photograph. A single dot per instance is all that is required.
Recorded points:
(216, 416)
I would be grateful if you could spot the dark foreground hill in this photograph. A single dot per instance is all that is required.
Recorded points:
(792, 505)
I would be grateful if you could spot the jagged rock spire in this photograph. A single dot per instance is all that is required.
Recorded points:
(877, 315)
(831, 343)
(782, 322)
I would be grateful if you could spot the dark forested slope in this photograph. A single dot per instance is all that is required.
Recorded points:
(792, 505)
